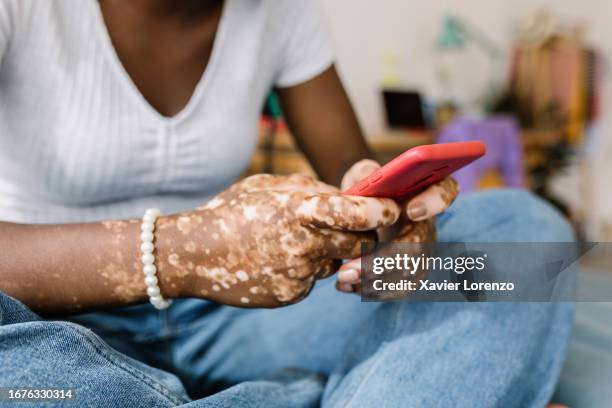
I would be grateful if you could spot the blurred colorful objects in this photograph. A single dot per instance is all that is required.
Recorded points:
(457, 33)
(554, 78)
(501, 135)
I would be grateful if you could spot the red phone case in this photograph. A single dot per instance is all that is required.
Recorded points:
(416, 169)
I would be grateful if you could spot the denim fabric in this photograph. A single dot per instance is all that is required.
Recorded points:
(585, 379)
(330, 349)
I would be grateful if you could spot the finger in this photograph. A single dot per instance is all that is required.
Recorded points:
(326, 269)
(350, 276)
(343, 244)
(349, 213)
(420, 231)
(303, 182)
(387, 234)
(350, 272)
(289, 183)
(358, 172)
(256, 181)
(435, 199)
(345, 287)
(286, 183)
(354, 263)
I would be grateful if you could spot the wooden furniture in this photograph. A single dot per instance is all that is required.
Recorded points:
(287, 159)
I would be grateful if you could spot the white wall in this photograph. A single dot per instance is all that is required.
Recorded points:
(363, 29)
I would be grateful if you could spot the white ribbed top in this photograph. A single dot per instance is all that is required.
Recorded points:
(78, 142)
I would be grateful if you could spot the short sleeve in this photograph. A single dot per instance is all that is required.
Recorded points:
(306, 48)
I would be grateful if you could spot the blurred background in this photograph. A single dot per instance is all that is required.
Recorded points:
(529, 79)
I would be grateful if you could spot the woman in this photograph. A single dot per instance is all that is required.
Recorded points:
(114, 107)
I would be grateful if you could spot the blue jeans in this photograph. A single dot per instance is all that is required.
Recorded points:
(330, 349)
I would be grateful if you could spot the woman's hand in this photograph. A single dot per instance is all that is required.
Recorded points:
(415, 224)
(264, 241)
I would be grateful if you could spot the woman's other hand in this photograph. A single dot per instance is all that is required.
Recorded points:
(416, 223)
(265, 240)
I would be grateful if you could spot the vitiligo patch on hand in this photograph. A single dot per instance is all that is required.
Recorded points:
(267, 238)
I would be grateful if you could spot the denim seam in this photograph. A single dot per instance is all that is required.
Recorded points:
(378, 355)
(100, 347)
(367, 376)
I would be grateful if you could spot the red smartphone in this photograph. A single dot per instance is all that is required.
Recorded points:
(416, 169)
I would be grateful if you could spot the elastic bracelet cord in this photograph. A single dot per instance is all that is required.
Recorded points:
(148, 259)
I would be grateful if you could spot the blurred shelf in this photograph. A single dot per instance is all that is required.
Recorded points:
(287, 159)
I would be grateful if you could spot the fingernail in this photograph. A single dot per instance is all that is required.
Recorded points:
(348, 276)
(417, 211)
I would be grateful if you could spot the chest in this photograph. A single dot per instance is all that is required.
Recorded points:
(74, 128)
(165, 54)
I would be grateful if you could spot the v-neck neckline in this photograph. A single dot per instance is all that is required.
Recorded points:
(127, 81)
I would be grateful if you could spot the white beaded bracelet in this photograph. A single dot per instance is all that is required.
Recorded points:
(148, 259)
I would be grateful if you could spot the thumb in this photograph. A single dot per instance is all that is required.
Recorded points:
(357, 172)
(435, 199)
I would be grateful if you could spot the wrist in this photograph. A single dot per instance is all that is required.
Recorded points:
(173, 277)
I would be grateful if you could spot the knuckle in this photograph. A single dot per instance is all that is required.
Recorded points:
(300, 178)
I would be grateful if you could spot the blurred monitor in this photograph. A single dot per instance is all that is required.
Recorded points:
(404, 109)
